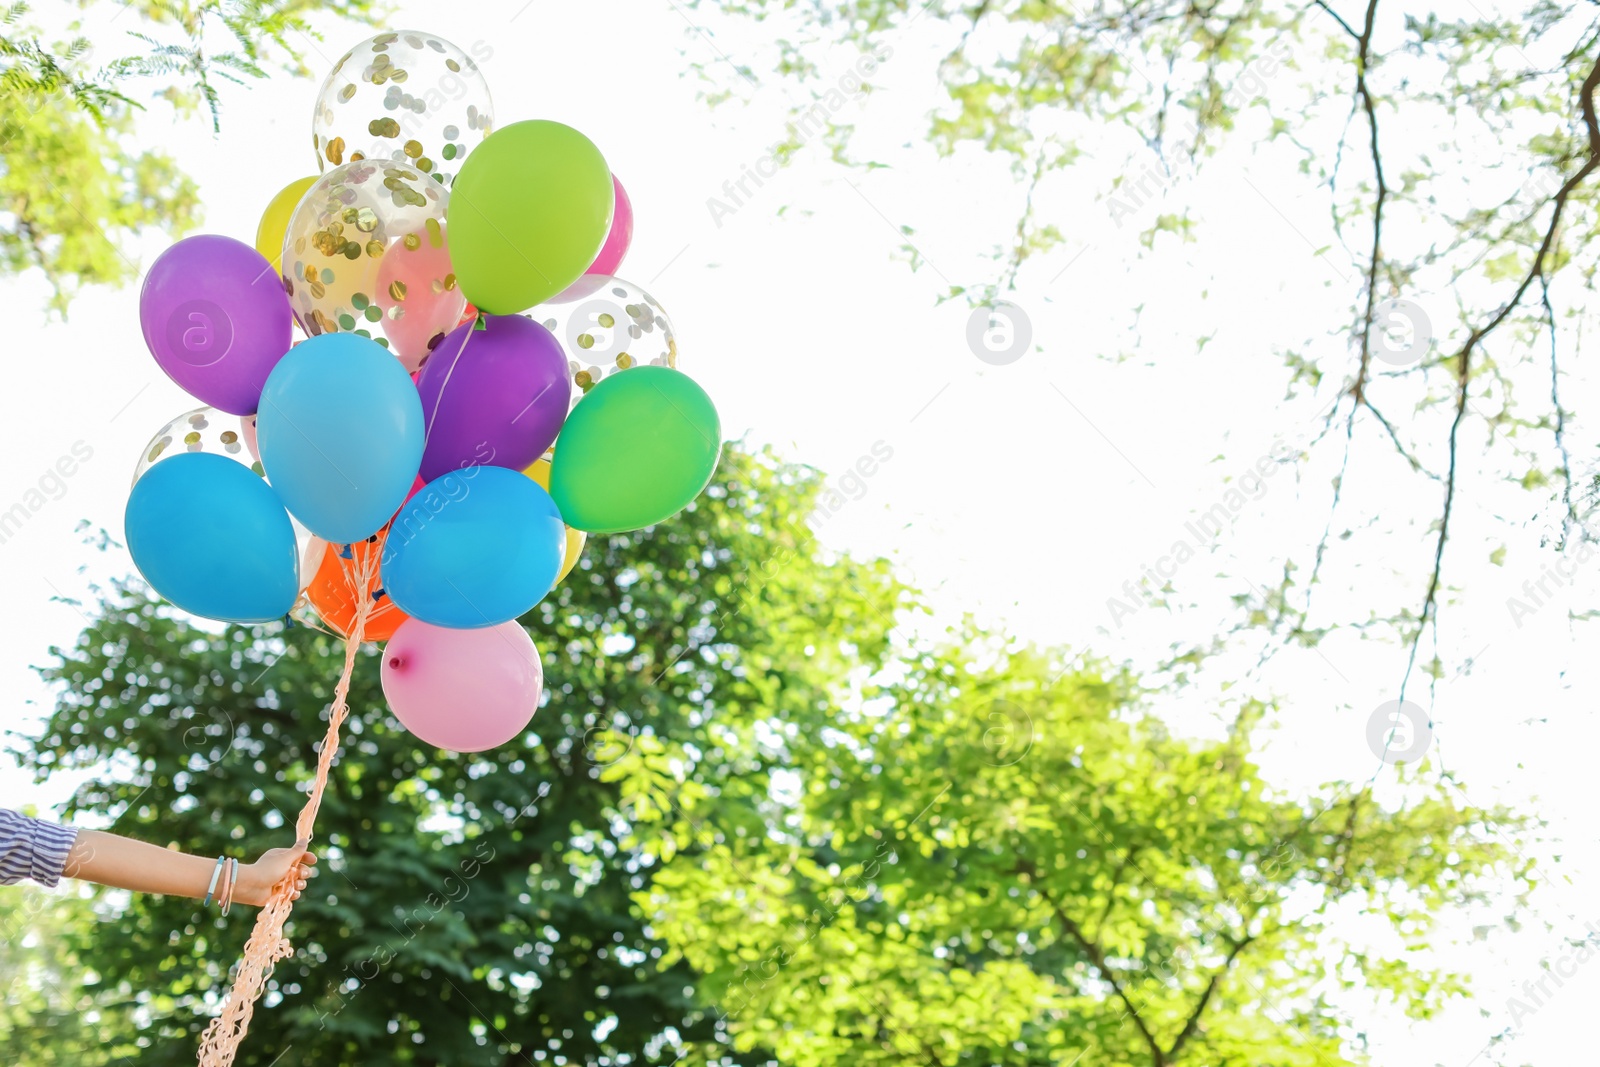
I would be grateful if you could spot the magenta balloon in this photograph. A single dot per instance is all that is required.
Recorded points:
(620, 237)
(216, 318)
(462, 690)
(492, 397)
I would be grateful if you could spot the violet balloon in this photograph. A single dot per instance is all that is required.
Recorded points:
(492, 397)
(462, 690)
(216, 318)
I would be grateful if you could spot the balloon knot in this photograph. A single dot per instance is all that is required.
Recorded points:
(345, 553)
(377, 595)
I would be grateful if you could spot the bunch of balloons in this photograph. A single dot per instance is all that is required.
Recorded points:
(475, 393)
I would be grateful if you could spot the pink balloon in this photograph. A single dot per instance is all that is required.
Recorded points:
(247, 430)
(425, 306)
(611, 254)
(462, 690)
(620, 237)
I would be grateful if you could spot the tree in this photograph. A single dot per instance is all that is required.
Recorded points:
(46, 1015)
(473, 907)
(75, 187)
(953, 848)
(1006, 858)
(1457, 149)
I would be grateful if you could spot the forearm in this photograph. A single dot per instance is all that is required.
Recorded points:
(128, 864)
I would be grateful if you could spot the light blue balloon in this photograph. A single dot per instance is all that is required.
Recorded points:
(475, 547)
(209, 535)
(340, 432)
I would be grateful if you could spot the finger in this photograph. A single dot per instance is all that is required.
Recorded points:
(309, 858)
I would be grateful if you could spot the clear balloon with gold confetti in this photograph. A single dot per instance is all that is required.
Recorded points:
(609, 326)
(404, 96)
(366, 253)
(204, 429)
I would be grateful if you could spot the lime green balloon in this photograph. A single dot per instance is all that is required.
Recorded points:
(637, 449)
(529, 211)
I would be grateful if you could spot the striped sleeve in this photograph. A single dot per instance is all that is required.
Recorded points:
(32, 848)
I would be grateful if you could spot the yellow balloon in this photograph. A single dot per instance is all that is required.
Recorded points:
(540, 473)
(275, 220)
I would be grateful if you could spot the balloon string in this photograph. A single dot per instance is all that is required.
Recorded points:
(267, 945)
(427, 431)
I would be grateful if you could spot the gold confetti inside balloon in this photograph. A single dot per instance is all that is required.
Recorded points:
(404, 96)
(608, 325)
(366, 253)
(201, 430)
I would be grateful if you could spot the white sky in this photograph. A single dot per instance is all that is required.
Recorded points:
(1026, 493)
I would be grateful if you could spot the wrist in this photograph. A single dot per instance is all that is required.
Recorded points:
(250, 890)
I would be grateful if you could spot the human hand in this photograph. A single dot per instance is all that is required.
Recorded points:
(274, 865)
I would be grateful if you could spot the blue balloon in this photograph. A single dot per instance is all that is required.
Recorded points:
(475, 547)
(213, 538)
(341, 433)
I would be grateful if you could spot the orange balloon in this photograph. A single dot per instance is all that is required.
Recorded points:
(331, 592)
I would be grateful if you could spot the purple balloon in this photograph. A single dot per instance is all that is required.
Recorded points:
(492, 397)
(216, 318)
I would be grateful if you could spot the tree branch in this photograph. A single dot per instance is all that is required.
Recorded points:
(1193, 1022)
(1111, 893)
(1375, 258)
(1479, 334)
(1570, 515)
(1096, 957)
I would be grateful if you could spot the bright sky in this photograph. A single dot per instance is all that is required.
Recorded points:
(1027, 493)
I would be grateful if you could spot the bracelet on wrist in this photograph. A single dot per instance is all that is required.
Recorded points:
(215, 873)
(233, 881)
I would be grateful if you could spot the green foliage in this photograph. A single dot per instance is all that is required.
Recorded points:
(74, 186)
(1005, 859)
(471, 905)
(46, 1012)
(752, 822)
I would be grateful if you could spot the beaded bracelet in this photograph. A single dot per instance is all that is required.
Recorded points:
(212, 888)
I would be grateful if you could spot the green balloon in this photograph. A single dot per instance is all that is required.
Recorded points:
(528, 213)
(637, 449)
